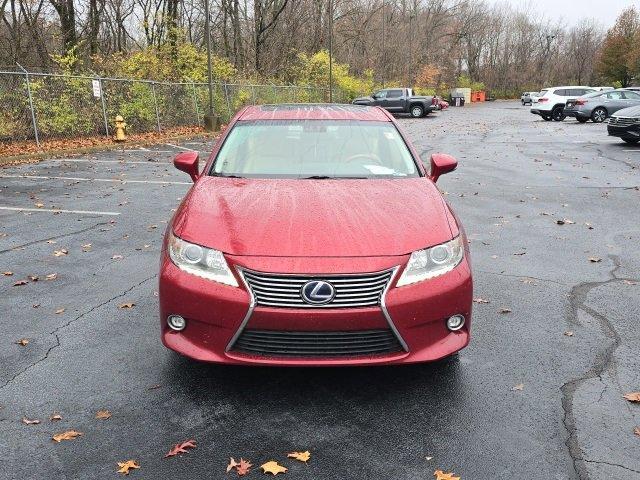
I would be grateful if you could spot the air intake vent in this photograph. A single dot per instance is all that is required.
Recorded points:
(317, 344)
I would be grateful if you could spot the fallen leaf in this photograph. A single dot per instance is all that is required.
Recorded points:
(103, 414)
(33, 278)
(181, 448)
(300, 456)
(59, 311)
(637, 431)
(60, 253)
(633, 397)
(27, 421)
(126, 305)
(480, 300)
(55, 417)
(568, 333)
(629, 282)
(7, 274)
(504, 310)
(39, 205)
(68, 435)
(51, 276)
(232, 464)
(440, 475)
(154, 387)
(595, 259)
(117, 257)
(126, 466)
(23, 342)
(518, 387)
(20, 282)
(243, 467)
(273, 468)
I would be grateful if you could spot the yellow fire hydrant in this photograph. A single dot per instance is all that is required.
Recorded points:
(120, 128)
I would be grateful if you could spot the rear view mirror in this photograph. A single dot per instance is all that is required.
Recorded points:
(188, 163)
(441, 163)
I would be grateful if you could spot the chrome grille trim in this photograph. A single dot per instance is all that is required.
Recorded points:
(252, 305)
(282, 290)
(623, 121)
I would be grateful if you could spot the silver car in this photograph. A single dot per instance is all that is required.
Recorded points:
(599, 106)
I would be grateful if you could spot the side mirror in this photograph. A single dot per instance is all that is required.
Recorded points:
(188, 162)
(441, 163)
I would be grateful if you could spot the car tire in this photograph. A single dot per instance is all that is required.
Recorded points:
(547, 118)
(557, 114)
(599, 115)
(582, 119)
(416, 111)
(632, 141)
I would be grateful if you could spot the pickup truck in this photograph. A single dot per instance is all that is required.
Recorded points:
(400, 100)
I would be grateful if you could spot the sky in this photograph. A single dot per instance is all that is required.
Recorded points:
(573, 11)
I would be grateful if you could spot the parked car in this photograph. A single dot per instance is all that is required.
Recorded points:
(525, 98)
(277, 254)
(550, 105)
(598, 106)
(625, 124)
(400, 100)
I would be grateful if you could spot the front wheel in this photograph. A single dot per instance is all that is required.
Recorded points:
(417, 111)
(632, 141)
(598, 115)
(558, 114)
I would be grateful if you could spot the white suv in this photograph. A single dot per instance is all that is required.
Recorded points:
(551, 102)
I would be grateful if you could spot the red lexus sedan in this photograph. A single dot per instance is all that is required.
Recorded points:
(315, 236)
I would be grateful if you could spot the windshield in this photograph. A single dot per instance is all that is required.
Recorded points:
(314, 149)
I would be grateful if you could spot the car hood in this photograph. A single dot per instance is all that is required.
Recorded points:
(314, 218)
(629, 112)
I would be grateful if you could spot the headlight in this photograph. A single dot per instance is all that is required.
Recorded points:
(432, 262)
(201, 261)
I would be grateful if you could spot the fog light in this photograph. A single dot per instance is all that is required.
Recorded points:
(176, 322)
(455, 323)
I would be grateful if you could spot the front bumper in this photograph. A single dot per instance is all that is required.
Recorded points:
(215, 313)
(628, 132)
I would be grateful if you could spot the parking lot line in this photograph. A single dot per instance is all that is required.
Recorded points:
(95, 160)
(179, 147)
(632, 150)
(84, 179)
(58, 210)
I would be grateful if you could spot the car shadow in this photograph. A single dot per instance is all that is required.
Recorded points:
(441, 381)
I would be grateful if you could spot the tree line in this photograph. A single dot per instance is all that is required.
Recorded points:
(434, 44)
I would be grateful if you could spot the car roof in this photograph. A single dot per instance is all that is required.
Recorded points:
(314, 111)
(569, 86)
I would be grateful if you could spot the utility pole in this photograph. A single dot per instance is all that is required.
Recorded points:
(410, 49)
(384, 45)
(330, 51)
(210, 119)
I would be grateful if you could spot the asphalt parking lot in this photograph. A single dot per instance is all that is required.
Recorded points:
(551, 211)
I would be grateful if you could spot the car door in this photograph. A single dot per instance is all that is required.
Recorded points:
(632, 99)
(379, 98)
(395, 100)
(614, 101)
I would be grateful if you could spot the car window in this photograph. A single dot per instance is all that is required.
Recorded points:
(615, 95)
(560, 92)
(632, 95)
(394, 94)
(314, 148)
(380, 94)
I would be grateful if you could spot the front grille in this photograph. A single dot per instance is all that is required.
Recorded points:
(317, 344)
(351, 291)
(623, 122)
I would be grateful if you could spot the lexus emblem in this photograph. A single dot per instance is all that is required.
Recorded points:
(318, 292)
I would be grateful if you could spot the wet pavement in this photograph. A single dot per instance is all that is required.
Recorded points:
(537, 394)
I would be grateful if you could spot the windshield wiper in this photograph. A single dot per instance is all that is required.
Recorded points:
(326, 177)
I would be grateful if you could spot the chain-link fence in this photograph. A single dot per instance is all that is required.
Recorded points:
(40, 106)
